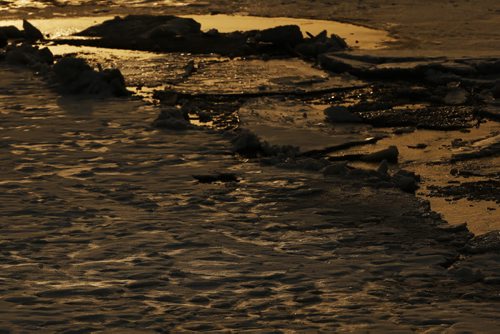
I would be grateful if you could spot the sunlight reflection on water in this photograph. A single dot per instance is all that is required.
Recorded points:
(7, 5)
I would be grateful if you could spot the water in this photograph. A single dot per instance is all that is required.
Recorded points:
(23, 4)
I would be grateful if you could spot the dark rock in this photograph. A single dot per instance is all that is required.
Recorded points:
(309, 50)
(459, 228)
(166, 98)
(390, 154)
(456, 97)
(488, 67)
(384, 68)
(86, 82)
(176, 26)
(173, 119)
(133, 26)
(75, 76)
(176, 34)
(490, 112)
(204, 116)
(11, 32)
(406, 181)
(17, 56)
(282, 35)
(247, 143)
(489, 242)
(212, 33)
(425, 117)
(496, 90)
(440, 78)
(147, 32)
(116, 81)
(3, 40)
(339, 114)
(340, 168)
(320, 44)
(28, 55)
(487, 190)
(31, 32)
(338, 42)
(46, 56)
(487, 151)
(434, 70)
(68, 69)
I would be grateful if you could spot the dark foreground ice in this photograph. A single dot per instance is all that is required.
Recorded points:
(104, 227)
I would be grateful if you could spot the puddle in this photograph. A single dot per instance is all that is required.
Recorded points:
(260, 77)
(146, 72)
